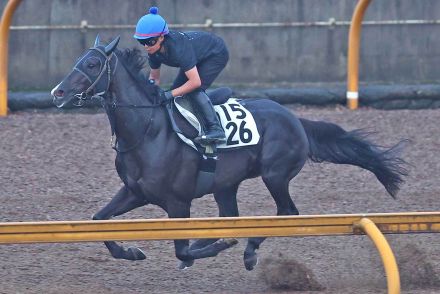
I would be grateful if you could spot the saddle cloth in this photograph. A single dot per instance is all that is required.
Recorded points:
(238, 123)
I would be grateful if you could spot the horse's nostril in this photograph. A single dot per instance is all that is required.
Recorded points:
(59, 93)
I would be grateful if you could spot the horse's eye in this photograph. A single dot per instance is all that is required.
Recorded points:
(91, 65)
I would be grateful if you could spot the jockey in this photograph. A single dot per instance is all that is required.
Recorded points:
(200, 57)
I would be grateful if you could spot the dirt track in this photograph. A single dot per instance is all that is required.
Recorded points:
(58, 166)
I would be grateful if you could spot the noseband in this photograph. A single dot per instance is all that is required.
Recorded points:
(85, 95)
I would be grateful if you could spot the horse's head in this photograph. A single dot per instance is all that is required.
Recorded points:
(91, 76)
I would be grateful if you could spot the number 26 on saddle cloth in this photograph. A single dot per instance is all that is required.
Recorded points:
(238, 123)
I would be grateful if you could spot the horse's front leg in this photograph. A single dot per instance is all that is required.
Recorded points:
(181, 209)
(177, 208)
(121, 203)
(226, 199)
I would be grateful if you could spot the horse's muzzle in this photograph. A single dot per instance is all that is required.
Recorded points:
(59, 101)
(59, 97)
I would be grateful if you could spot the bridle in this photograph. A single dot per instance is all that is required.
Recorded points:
(110, 107)
(85, 95)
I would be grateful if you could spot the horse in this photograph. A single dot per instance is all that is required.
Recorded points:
(157, 168)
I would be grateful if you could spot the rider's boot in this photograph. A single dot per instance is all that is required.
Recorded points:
(214, 132)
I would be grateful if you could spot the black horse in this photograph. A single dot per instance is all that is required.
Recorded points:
(157, 168)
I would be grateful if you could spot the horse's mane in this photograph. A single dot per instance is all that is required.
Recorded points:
(135, 63)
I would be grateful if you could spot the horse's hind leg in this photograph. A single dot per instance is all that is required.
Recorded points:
(226, 199)
(276, 178)
(121, 203)
(196, 245)
(285, 206)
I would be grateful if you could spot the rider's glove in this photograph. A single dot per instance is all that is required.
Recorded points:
(166, 95)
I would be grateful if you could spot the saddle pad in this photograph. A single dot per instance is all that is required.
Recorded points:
(238, 123)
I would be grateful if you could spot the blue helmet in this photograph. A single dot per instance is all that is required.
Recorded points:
(151, 25)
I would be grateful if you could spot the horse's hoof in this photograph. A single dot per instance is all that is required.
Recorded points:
(231, 242)
(134, 253)
(185, 264)
(223, 244)
(250, 261)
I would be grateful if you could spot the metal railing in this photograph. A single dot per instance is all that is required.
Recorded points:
(159, 229)
(210, 24)
(354, 37)
(374, 225)
(5, 22)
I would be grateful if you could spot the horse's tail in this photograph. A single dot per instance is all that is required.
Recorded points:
(329, 142)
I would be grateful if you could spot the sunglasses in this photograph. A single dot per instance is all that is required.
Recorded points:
(148, 42)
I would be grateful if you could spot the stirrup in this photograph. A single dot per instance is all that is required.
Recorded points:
(207, 141)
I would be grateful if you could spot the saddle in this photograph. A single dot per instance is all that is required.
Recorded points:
(238, 123)
(188, 123)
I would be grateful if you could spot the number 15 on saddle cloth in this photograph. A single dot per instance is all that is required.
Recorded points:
(238, 123)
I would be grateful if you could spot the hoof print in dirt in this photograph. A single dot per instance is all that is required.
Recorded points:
(416, 268)
(288, 274)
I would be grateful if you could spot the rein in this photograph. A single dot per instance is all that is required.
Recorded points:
(111, 107)
(126, 105)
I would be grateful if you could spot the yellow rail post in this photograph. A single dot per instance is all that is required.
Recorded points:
(388, 259)
(4, 35)
(353, 54)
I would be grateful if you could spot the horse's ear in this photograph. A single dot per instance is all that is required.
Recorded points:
(97, 41)
(110, 47)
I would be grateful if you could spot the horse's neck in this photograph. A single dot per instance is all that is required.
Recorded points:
(130, 124)
(126, 90)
